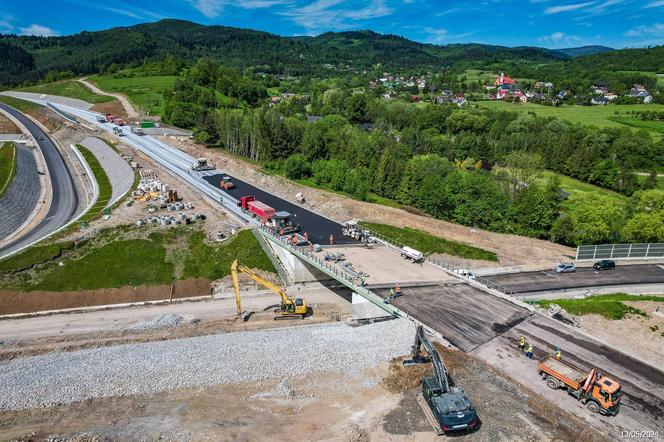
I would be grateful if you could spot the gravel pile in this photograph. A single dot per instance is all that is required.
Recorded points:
(62, 378)
(158, 322)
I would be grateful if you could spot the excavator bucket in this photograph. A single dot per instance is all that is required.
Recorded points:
(420, 359)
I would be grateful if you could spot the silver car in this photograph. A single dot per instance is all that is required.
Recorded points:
(564, 268)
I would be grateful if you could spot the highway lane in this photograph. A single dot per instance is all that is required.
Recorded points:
(65, 198)
(317, 226)
(583, 277)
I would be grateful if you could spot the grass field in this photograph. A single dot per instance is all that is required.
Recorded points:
(660, 180)
(139, 89)
(609, 306)
(33, 256)
(104, 184)
(599, 116)
(68, 88)
(649, 125)
(18, 104)
(574, 186)
(7, 166)
(114, 259)
(428, 244)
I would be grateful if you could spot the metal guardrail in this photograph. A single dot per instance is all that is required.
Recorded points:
(62, 113)
(620, 251)
(343, 277)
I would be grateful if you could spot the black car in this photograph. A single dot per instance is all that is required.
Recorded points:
(605, 264)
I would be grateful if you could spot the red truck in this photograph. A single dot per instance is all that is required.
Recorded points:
(258, 209)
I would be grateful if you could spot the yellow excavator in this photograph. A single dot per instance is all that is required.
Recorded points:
(289, 308)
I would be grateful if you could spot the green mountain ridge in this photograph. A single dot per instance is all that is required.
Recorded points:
(30, 58)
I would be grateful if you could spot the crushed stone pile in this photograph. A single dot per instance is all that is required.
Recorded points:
(151, 367)
(158, 322)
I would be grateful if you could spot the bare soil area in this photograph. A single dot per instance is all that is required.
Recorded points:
(216, 219)
(111, 107)
(7, 126)
(512, 250)
(379, 404)
(642, 337)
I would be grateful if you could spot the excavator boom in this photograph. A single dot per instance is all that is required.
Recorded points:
(288, 305)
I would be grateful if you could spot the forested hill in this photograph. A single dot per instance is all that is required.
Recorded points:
(30, 58)
(585, 50)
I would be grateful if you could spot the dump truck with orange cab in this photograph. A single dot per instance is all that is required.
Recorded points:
(599, 393)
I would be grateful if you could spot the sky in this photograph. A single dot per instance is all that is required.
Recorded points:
(546, 23)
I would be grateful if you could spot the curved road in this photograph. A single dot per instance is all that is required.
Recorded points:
(65, 198)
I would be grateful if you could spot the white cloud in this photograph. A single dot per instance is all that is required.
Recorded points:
(558, 38)
(214, 8)
(654, 4)
(655, 30)
(42, 31)
(328, 15)
(442, 35)
(565, 8)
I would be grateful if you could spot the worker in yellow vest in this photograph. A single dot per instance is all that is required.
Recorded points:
(557, 354)
(529, 352)
(522, 343)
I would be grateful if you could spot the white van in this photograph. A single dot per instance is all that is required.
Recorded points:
(413, 254)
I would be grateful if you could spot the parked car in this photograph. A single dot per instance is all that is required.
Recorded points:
(605, 264)
(565, 268)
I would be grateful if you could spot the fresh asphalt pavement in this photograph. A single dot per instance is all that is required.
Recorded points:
(65, 197)
(548, 280)
(317, 227)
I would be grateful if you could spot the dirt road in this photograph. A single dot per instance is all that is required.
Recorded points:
(131, 112)
(119, 319)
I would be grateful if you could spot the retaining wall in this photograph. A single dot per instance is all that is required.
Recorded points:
(14, 301)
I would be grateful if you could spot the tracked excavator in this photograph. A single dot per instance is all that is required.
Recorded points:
(446, 406)
(289, 307)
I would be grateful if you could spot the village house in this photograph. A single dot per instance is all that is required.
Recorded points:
(600, 88)
(599, 100)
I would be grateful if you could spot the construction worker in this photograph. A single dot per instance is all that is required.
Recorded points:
(331, 239)
(397, 289)
(522, 343)
(306, 236)
(391, 293)
(363, 281)
(529, 352)
(557, 354)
